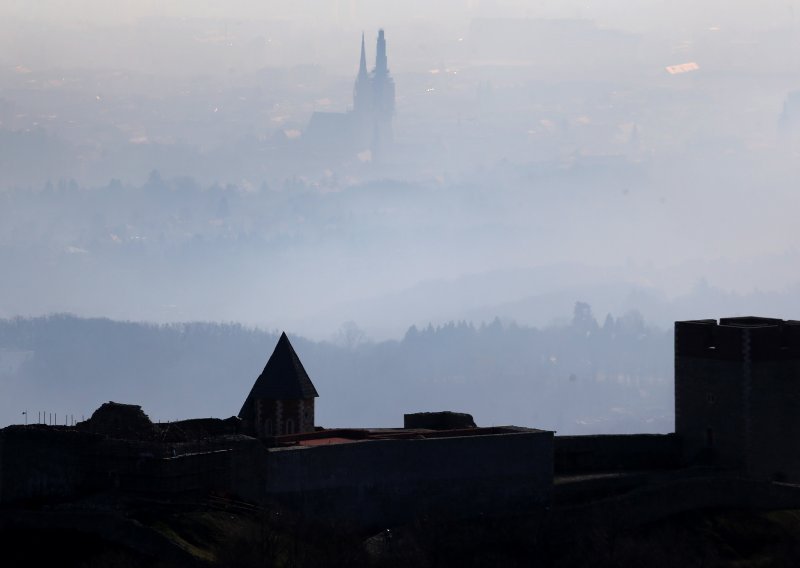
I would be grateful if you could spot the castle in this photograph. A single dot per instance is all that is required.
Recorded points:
(367, 127)
(736, 420)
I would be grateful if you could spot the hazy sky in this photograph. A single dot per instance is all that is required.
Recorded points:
(641, 14)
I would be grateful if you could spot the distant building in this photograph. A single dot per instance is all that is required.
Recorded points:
(368, 125)
(281, 401)
(737, 394)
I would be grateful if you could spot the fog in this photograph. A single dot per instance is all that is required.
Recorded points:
(207, 161)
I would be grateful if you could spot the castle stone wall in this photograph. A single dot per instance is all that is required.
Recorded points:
(2, 469)
(649, 503)
(394, 481)
(583, 454)
(46, 462)
(36, 465)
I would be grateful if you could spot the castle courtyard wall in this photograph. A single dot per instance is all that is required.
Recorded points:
(45, 462)
(394, 481)
(35, 465)
(365, 483)
(623, 452)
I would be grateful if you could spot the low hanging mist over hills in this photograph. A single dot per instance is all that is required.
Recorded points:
(384, 255)
(582, 377)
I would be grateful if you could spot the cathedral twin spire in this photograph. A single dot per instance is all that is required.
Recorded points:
(374, 93)
(381, 67)
(362, 68)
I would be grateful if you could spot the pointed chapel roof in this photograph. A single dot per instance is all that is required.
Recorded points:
(283, 378)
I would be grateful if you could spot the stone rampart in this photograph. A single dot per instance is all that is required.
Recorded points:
(370, 483)
(625, 452)
(652, 502)
(36, 464)
(41, 462)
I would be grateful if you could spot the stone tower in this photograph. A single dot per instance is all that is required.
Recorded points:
(282, 399)
(737, 394)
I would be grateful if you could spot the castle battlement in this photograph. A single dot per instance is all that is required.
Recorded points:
(738, 339)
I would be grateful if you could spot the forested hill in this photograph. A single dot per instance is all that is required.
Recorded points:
(583, 377)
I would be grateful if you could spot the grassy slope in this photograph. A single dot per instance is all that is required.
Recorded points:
(226, 539)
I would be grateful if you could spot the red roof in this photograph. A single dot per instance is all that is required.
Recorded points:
(325, 441)
(348, 435)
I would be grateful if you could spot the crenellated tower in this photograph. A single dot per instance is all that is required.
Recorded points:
(737, 395)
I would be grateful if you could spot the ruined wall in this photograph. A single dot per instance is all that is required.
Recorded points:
(445, 420)
(651, 502)
(363, 483)
(248, 471)
(393, 481)
(583, 454)
(40, 462)
(35, 464)
(198, 429)
(166, 467)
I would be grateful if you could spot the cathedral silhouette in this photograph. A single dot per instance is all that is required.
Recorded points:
(366, 129)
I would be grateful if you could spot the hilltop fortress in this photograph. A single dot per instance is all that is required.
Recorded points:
(736, 407)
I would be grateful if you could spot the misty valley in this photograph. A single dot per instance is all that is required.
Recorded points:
(304, 283)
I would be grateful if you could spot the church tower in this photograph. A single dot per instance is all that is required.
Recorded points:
(281, 401)
(383, 96)
(381, 64)
(362, 97)
(382, 83)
